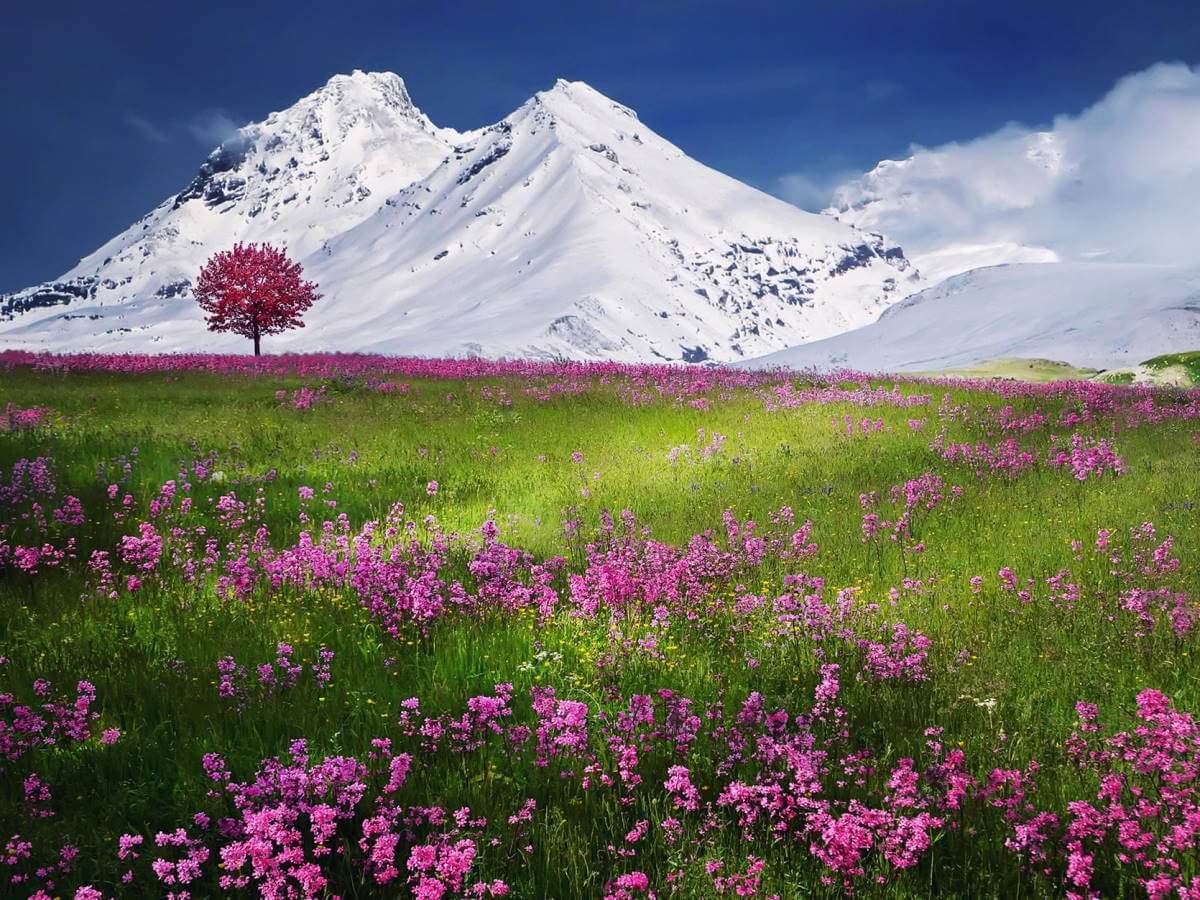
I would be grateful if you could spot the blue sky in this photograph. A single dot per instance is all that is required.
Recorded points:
(108, 108)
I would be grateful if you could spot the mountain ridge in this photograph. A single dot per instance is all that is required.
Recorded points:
(568, 228)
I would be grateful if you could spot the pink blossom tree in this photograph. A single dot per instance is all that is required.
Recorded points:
(253, 291)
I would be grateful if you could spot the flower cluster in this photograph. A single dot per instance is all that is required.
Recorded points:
(242, 686)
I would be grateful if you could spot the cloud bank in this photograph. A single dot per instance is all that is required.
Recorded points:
(1119, 181)
(146, 129)
(209, 128)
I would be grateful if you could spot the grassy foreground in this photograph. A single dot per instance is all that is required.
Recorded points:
(930, 638)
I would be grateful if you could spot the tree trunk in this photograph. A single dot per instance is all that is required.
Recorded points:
(257, 352)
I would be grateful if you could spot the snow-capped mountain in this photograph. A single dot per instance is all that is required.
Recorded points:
(298, 178)
(1099, 315)
(568, 228)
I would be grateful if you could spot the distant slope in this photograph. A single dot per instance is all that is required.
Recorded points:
(1035, 370)
(1095, 315)
(1180, 369)
(567, 229)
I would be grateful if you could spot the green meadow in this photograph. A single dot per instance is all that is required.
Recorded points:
(1003, 660)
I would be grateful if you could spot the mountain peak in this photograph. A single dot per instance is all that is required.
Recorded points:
(359, 108)
(565, 86)
(566, 97)
(361, 88)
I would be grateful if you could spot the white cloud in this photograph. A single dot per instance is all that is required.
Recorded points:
(211, 127)
(805, 191)
(1121, 180)
(810, 191)
(146, 129)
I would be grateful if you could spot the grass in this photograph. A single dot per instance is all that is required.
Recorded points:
(1035, 370)
(152, 653)
(1169, 369)
(1189, 362)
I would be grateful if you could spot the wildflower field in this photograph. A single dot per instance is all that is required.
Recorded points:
(364, 627)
